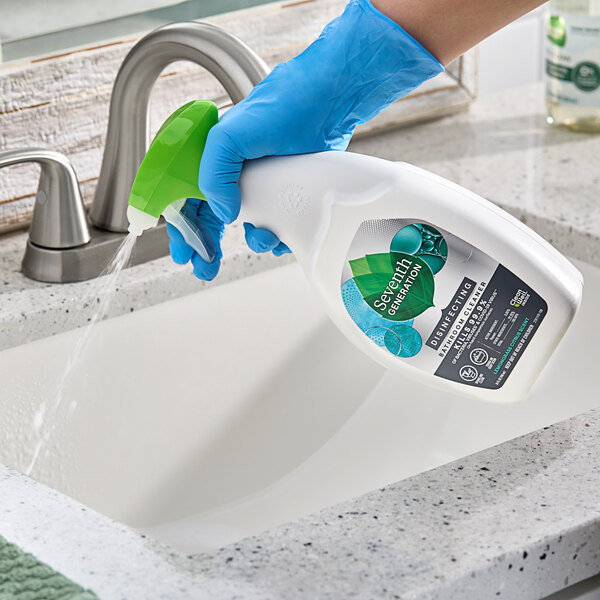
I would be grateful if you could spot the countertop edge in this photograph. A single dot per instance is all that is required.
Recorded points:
(555, 551)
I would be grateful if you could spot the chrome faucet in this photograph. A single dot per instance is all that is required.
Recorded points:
(226, 57)
(233, 64)
(59, 223)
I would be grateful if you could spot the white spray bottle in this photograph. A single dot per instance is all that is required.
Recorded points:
(425, 277)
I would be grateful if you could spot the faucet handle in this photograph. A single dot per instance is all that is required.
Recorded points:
(59, 219)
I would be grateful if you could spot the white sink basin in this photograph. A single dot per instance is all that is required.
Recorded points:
(221, 414)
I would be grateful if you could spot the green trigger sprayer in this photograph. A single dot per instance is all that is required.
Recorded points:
(424, 276)
(169, 174)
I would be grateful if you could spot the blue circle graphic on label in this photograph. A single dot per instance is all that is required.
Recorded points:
(400, 339)
(403, 340)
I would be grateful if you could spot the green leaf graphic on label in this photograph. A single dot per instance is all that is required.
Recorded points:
(380, 263)
(360, 266)
(556, 30)
(372, 284)
(398, 286)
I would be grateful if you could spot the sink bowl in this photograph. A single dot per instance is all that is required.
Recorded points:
(218, 415)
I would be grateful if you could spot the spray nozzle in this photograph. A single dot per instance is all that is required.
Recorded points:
(169, 174)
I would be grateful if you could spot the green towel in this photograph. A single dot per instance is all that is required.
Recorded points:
(24, 577)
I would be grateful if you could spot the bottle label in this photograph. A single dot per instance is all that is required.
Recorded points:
(430, 298)
(573, 59)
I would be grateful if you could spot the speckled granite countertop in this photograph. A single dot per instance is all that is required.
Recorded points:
(519, 521)
(506, 522)
(30, 310)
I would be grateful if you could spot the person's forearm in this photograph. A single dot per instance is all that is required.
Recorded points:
(448, 28)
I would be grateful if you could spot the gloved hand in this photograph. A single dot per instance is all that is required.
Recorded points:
(211, 226)
(361, 63)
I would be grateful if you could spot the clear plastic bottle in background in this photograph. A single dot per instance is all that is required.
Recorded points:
(573, 64)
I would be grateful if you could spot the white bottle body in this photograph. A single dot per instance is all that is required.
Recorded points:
(316, 204)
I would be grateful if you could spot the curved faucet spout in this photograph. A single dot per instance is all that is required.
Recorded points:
(233, 63)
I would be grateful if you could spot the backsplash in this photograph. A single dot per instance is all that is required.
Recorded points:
(61, 102)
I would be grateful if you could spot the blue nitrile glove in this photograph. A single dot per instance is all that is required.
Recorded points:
(361, 63)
